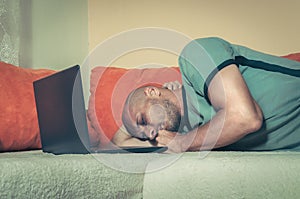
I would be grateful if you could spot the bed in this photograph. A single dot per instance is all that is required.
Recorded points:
(34, 174)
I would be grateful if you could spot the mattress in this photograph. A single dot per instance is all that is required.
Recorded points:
(227, 175)
(34, 174)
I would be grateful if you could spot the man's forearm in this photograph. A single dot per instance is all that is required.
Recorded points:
(223, 129)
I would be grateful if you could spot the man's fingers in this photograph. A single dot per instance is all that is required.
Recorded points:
(172, 85)
(176, 142)
(165, 137)
(162, 140)
(167, 140)
(177, 84)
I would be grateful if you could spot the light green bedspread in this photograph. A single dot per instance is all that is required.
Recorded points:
(34, 174)
(253, 175)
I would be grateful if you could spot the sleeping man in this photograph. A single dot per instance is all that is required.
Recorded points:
(231, 98)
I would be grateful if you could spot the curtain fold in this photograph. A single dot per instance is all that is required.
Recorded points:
(9, 31)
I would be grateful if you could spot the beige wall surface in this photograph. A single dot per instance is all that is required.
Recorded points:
(54, 33)
(267, 25)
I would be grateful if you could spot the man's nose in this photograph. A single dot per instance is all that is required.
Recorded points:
(151, 133)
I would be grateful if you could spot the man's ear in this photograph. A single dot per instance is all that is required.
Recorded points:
(152, 91)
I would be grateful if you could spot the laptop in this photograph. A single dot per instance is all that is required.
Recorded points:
(62, 116)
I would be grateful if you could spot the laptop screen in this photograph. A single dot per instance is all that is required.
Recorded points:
(61, 112)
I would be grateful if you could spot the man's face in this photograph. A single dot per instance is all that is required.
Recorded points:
(147, 115)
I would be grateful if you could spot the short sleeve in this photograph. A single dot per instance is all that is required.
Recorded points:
(201, 59)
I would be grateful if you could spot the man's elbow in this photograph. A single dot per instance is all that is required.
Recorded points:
(248, 124)
(250, 120)
(256, 119)
(254, 124)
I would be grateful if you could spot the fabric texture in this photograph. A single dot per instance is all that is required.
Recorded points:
(9, 31)
(34, 174)
(273, 82)
(18, 118)
(230, 175)
(109, 89)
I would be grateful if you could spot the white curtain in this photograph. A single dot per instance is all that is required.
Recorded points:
(9, 31)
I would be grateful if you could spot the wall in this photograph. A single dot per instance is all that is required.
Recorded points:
(54, 33)
(60, 33)
(269, 26)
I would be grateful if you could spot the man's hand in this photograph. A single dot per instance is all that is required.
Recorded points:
(172, 85)
(176, 142)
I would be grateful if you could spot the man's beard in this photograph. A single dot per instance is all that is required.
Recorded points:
(173, 115)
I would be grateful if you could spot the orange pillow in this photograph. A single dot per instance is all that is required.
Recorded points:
(109, 89)
(18, 118)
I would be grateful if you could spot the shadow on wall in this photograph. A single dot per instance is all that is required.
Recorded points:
(25, 55)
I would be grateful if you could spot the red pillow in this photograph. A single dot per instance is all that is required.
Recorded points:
(109, 89)
(18, 118)
(293, 56)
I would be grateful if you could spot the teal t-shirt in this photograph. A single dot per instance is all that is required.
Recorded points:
(274, 83)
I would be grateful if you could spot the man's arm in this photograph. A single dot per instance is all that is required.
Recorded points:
(122, 139)
(237, 115)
